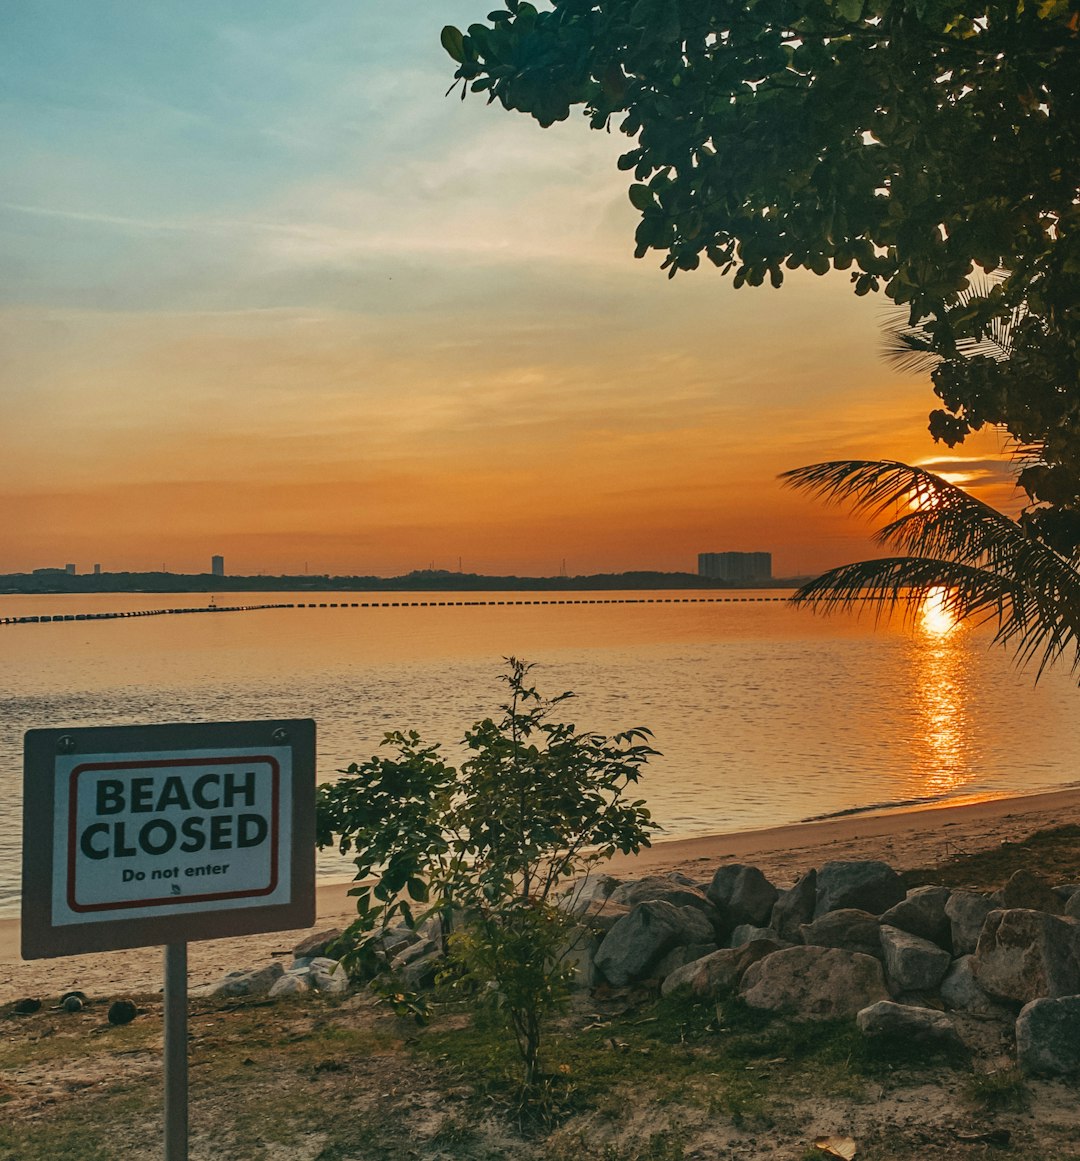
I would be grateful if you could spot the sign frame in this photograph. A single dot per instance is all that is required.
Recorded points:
(166, 745)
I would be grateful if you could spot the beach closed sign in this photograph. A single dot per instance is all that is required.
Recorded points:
(168, 833)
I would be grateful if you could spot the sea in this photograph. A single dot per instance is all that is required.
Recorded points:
(764, 714)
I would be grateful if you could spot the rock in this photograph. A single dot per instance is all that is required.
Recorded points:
(742, 894)
(922, 913)
(122, 1012)
(912, 964)
(662, 887)
(290, 984)
(814, 983)
(868, 885)
(330, 981)
(601, 914)
(419, 950)
(1032, 892)
(640, 940)
(317, 944)
(591, 889)
(967, 911)
(718, 974)
(72, 1003)
(1072, 907)
(1048, 1037)
(795, 907)
(1065, 891)
(1025, 955)
(257, 982)
(960, 991)
(747, 932)
(26, 1007)
(420, 972)
(914, 1025)
(849, 928)
(679, 957)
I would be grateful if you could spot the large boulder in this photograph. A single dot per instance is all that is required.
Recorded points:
(1048, 1037)
(849, 928)
(1024, 955)
(1029, 891)
(588, 891)
(867, 884)
(256, 982)
(317, 944)
(1072, 907)
(742, 895)
(747, 932)
(680, 956)
(718, 975)
(814, 983)
(794, 907)
(912, 964)
(913, 1025)
(667, 889)
(600, 914)
(966, 912)
(960, 991)
(640, 940)
(922, 913)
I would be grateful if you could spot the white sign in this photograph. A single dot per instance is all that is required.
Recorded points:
(140, 835)
(161, 834)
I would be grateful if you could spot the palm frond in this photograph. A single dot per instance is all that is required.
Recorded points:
(988, 567)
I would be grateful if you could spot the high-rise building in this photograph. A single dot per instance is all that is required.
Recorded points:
(69, 569)
(217, 565)
(97, 570)
(735, 566)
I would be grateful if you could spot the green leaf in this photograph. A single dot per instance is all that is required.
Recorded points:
(642, 198)
(453, 42)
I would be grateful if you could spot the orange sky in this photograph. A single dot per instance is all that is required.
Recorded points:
(358, 328)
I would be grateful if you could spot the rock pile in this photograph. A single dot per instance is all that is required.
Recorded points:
(851, 941)
(846, 941)
(311, 970)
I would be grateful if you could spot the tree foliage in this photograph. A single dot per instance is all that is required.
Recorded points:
(535, 802)
(981, 564)
(905, 141)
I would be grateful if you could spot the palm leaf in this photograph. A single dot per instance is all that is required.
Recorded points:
(989, 568)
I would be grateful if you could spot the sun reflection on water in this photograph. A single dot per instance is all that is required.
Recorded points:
(941, 666)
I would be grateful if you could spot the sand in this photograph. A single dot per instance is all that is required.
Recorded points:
(905, 839)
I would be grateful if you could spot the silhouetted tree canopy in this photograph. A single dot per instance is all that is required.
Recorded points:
(905, 141)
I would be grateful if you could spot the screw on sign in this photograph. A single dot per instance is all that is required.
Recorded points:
(161, 834)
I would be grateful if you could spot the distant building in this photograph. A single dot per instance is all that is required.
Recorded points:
(69, 569)
(97, 570)
(735, 566)
(217, 565)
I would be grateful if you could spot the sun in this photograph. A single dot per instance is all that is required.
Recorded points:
(935, 616)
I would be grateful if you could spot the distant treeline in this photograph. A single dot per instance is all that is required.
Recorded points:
(423, 580)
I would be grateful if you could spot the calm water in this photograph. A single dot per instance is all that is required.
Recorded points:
(764, 714)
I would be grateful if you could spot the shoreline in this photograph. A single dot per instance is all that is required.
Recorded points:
(925, 835)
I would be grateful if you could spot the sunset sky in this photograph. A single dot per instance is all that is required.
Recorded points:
(268, 293)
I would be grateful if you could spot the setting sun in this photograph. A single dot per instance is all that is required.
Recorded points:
(936, 617)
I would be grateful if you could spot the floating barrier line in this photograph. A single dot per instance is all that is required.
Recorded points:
(42, 618)
(116, 616)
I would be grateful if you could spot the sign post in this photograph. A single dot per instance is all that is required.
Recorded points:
(142, 835)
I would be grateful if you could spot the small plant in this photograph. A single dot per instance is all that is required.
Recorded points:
(1000, 1091)
(487, 845)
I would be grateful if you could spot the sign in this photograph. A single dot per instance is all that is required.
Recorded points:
(137, 835)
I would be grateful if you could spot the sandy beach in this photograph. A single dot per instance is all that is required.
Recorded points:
(905, 839)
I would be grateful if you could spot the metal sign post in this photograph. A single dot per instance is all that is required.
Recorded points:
(142, 835)
(176, 1053)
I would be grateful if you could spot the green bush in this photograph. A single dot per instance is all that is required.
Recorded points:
(487, 845)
